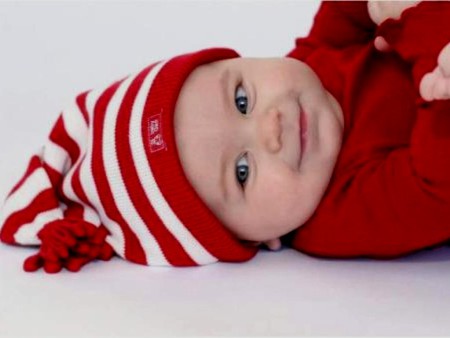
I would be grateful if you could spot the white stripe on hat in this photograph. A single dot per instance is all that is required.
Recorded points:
(189, 243)
(27, 233)
(123, 202)
(67, 187)
(75, 126)
(33, 185)
(56, 156)
(91, 215)
(76, 129)
(116, 237)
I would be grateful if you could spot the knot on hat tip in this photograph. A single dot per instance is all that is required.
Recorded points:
(70, 244)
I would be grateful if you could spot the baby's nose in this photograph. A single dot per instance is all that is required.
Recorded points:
(270, 131)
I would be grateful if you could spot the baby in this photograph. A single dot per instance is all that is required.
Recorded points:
(262, 143)
(340, 149)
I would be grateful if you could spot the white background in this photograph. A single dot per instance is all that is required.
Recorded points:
(49, 52)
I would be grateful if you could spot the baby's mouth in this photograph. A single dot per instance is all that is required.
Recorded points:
(302, 135)
(303, 131)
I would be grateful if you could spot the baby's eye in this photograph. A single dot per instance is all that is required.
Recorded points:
(242, 170)
(241, 100)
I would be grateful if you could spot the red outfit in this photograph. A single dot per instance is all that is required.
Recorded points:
(390, 192)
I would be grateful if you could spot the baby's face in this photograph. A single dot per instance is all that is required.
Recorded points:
(258, 140)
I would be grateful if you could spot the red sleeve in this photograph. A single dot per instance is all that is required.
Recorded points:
(399, 202)
(385, 210)
(391, 205)
(418, 37)
(337, 24)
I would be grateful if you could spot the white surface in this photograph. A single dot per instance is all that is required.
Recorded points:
(284, 293)
(50, 52)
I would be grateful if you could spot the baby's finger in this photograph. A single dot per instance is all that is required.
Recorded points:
(426, 87)
(446, 90)
(381, 44)
(440, 89)
(444, 60)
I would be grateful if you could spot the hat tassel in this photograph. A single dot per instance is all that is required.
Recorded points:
(69, 243)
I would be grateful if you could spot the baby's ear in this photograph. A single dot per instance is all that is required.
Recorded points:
(273, 244)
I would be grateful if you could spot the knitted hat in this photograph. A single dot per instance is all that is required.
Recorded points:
(109, 180)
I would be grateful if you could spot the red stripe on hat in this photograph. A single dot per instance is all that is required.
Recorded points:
(172, 249)
(44, 201)
(74, 210)
(177, 190)
(54, 175)
(60, 136)
(76, 181)
(33, 164)
(133, 249)
(81, 102)
(57, 180)
(76, 184)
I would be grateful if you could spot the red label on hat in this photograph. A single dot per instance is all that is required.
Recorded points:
(155, 130)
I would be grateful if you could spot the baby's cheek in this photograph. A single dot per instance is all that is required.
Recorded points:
(279, 189)
(296, 196)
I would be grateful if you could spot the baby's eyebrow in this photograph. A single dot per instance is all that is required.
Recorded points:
(224, 79)
(222, 176)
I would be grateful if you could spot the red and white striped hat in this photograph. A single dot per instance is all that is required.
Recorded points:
(109, 180)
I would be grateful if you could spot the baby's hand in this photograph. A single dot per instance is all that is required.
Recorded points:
(436, 84)
(382, 10)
